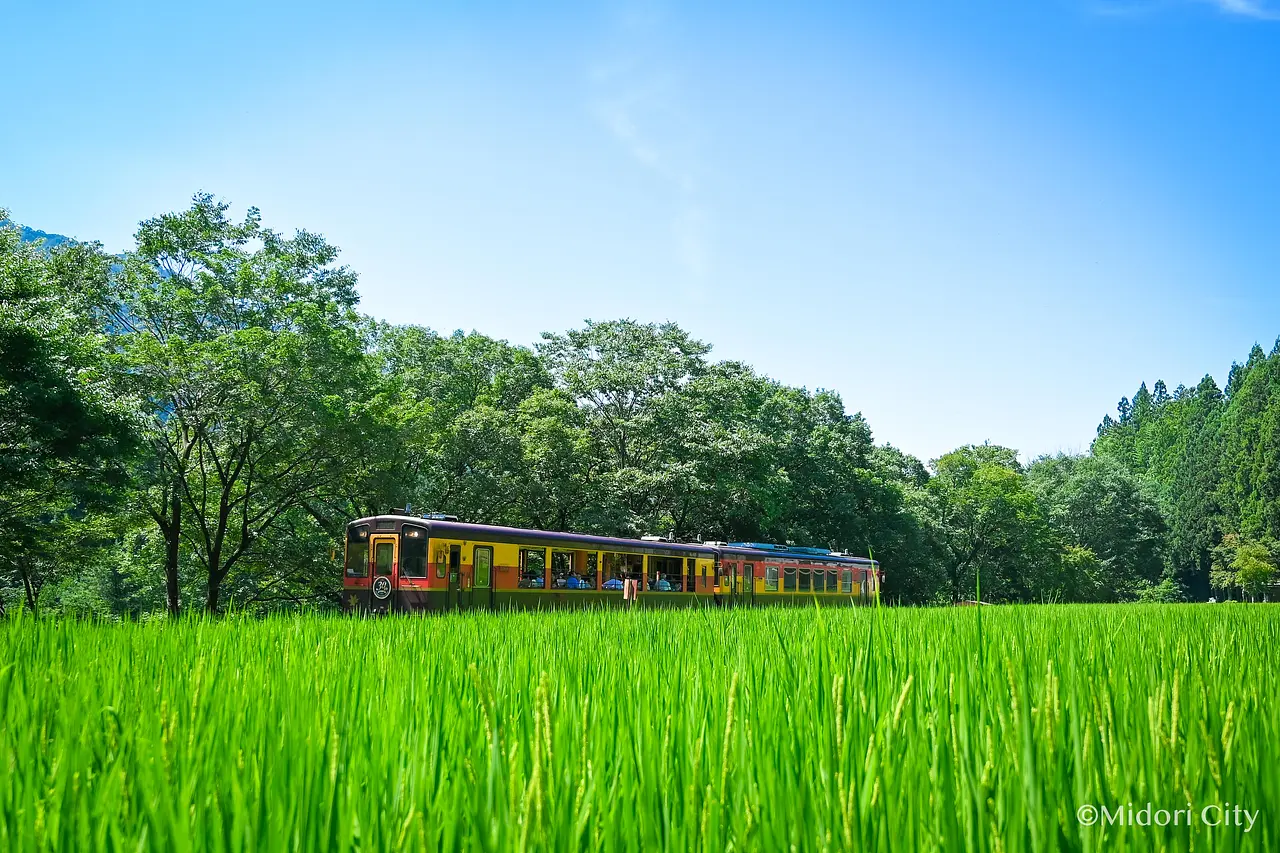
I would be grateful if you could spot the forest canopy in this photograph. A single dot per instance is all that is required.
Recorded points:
(191, 424)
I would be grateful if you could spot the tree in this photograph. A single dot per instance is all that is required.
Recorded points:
(558, 465)
(1248, 565)
(246, 353)
(1250, 456)
(617, 369)
(65, 440)
(991, 522)
(1255, 567)
(1097, 506)
(1175, 453)
(459, 402)
(624, 374)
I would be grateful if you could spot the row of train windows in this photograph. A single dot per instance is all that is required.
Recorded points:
(802, 579)
(583, 569)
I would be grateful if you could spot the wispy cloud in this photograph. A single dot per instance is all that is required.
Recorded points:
(1247, 9)
(641, 101)
(1259, 10)
(641, 117)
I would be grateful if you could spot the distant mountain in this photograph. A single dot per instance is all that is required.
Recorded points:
(31, 235)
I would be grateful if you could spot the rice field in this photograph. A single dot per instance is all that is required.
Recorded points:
(858, 729)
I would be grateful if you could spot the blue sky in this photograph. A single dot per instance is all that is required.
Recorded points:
(976, 221)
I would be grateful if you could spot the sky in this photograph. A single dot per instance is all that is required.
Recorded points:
(980, 221)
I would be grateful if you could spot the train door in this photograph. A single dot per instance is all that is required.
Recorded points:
(382, 553)
(455, 599)
(732, 583)
(482, 577)
(747, 584)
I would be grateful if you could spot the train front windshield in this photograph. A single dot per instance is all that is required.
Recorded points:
(358, 551)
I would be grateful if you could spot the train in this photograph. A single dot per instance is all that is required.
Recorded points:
(406, 563)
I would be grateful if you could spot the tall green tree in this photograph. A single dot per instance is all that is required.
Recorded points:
(1094, 503)
(620, 372)
(65, 439)
(990, 522)
(1245, 564)
(461, 403)
(246, 352)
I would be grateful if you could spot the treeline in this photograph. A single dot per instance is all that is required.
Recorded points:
(191, 424)
(1212, 459)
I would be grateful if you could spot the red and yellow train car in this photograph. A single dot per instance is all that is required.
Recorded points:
(410, 563)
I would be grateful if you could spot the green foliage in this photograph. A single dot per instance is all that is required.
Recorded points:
(64, 436)
(1212, 461)
(1255, 567)
(1167, 591)
(1248, 565)
(990, 521)
(248, 358)
(743, 730)
(1095, 504)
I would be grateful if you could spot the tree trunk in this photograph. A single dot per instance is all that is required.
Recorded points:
(211, 600)
(172, 540)
(30, 591)
(215, 544)
(215, 574)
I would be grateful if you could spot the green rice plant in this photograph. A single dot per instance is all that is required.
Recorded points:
(767, 729)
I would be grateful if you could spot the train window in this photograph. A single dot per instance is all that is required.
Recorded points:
(665, 574)
(413, 552)
(384, 555)
(805, 578)
(771, 578)
(846, 580)
(358, 558)
(833, 580)
(621, 567)
(789, 578)
(533, 568)
(691, 575)
(574, 569)
(562, 571)
(482, 564)
(819, 580)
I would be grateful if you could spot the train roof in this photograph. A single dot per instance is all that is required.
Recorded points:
(497, 533)
(785, 552)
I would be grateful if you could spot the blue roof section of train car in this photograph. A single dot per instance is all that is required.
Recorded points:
(766, 551)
